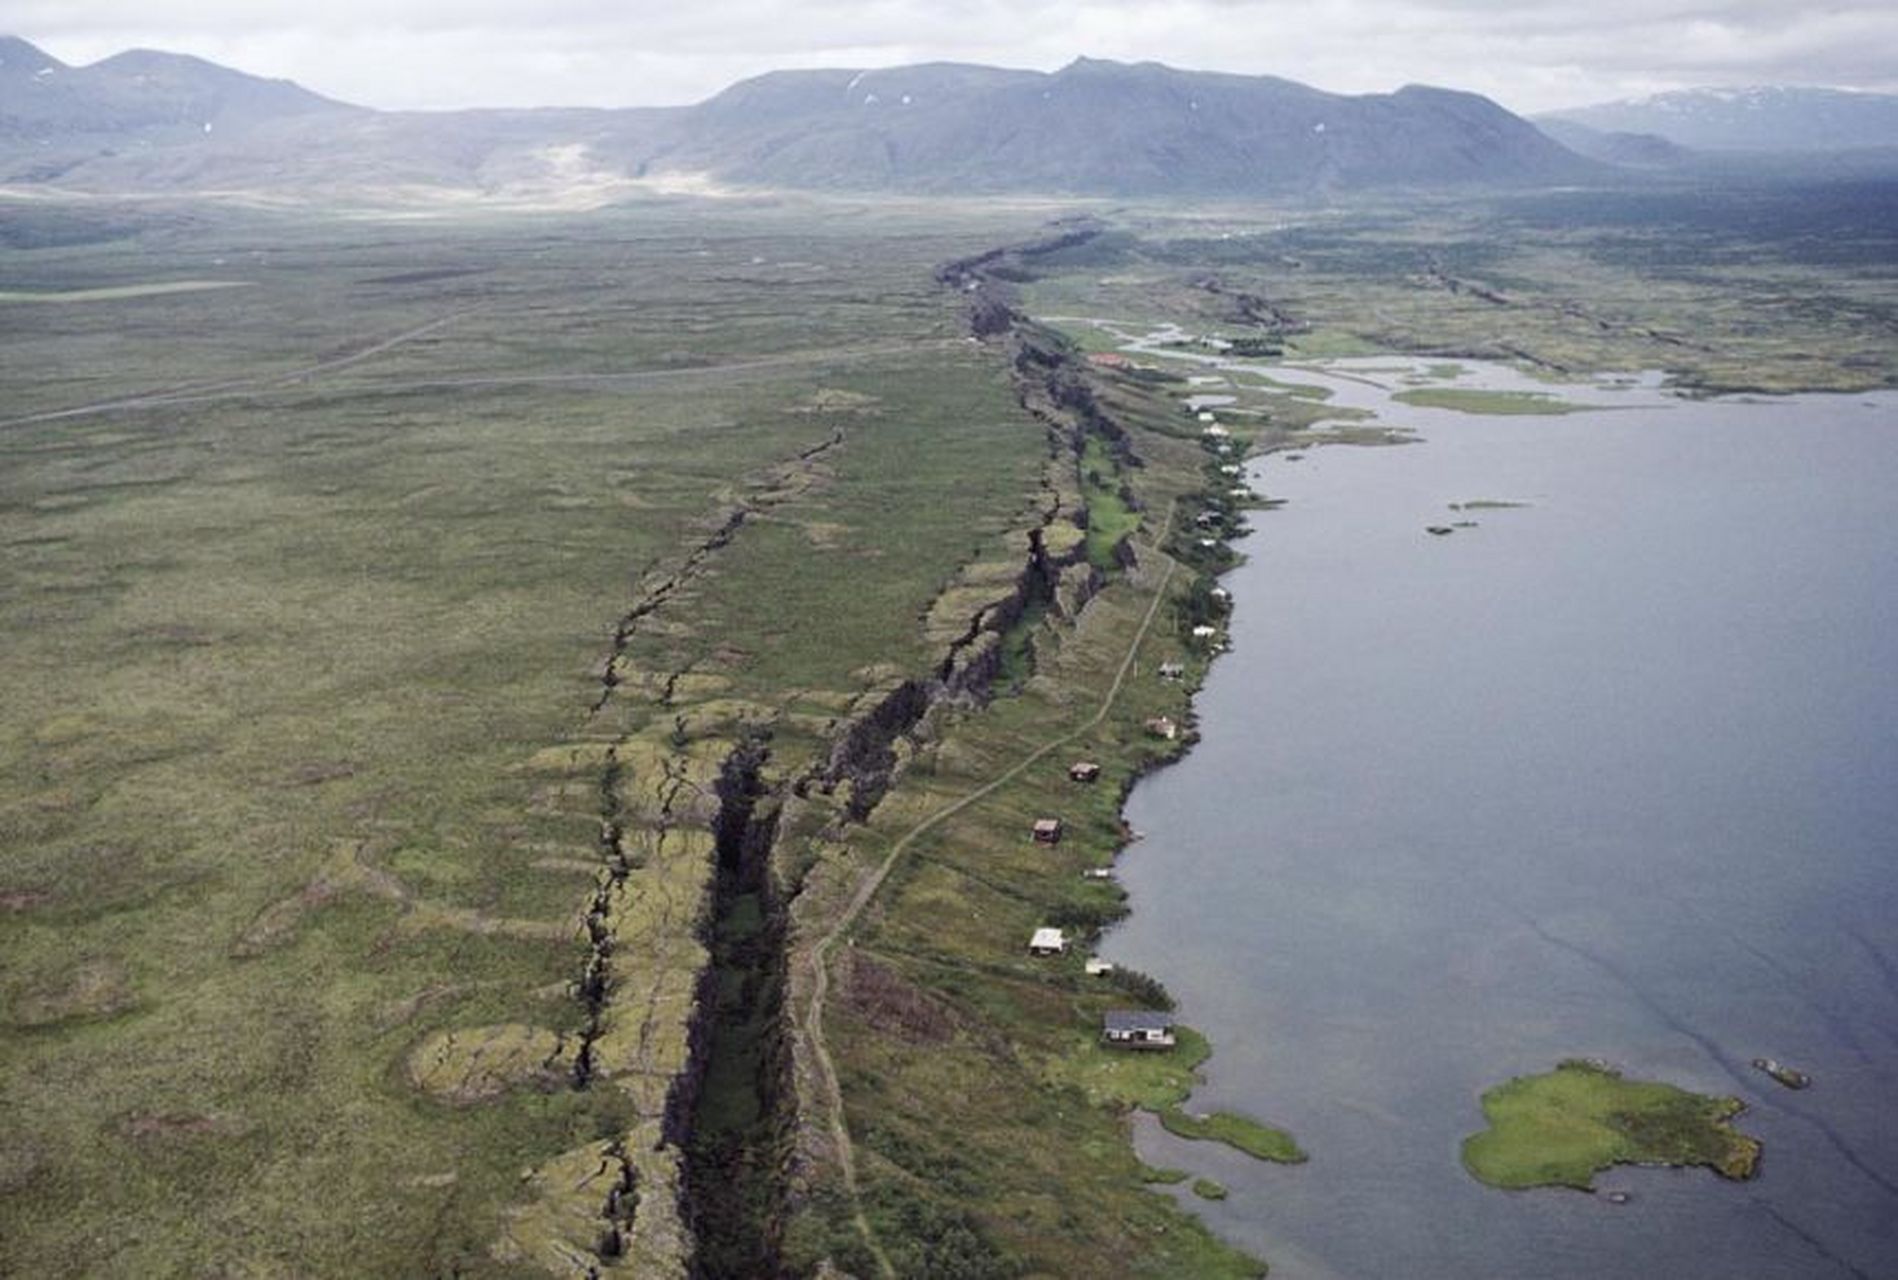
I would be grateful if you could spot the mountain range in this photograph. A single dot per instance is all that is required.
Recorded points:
(1762, 118)
(153, 122)
(148, 121)
(139, 91)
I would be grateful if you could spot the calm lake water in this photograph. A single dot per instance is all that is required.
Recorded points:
(1613, 774)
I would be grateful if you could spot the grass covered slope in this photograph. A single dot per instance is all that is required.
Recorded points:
(1562, 1128)
(986, 1123)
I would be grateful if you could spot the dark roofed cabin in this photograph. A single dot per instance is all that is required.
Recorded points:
(1137, 1029)
(1084, 771)
(1047, 830)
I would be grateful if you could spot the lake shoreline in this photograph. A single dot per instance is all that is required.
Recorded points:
(1296, 986)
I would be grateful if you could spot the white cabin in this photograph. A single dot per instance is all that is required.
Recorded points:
(1048, 942)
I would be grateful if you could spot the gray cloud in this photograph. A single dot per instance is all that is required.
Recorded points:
(1530, 55)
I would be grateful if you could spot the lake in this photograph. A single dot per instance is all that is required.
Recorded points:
(1613, 773)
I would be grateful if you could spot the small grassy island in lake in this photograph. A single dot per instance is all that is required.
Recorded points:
(1473, 400)
(1562, 1128)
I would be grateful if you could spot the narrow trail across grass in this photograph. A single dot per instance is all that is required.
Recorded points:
(239, 387)
(867, 891)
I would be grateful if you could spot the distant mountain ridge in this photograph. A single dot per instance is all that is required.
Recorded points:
(1100, 127)
(137, 92)
(1635, 150)
(166, 122)
(1760, 118)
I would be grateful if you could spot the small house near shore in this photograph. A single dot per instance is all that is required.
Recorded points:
(1172, 670)
(1163, 727)
(1048, 942)
(1084, 771)
(1047, 831)
(1137, 1029)
(1097, 967)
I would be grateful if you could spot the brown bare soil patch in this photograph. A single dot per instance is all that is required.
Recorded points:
(882, 998)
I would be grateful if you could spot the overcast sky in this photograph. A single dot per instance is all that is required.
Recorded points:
(1530, 55)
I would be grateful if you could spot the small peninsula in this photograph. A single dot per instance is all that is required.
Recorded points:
(1561, 1128)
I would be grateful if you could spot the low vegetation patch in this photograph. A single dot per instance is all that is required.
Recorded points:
(1561, 1128)
(1466, 400)
(1110, 519)
(1242, 1133)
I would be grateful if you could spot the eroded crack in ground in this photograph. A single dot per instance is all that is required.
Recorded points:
(640, 988)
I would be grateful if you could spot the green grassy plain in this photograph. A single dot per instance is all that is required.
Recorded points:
(297, 767)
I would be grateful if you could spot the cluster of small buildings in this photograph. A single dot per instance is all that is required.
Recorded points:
(1122, 1029)
(1137, 1029)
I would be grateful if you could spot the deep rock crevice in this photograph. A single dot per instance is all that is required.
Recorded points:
(732, 1113)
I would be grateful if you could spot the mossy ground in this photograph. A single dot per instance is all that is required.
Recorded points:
(1562, 1128)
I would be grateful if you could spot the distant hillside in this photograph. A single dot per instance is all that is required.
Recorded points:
(1635, 150)
(1771, 118)
(135, 93)
(1098, 128)
(163, 122)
